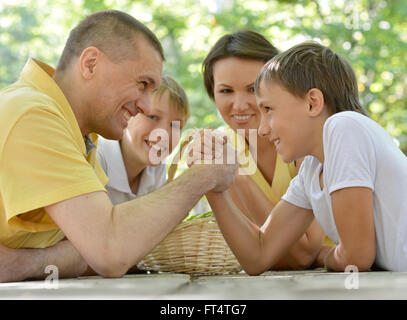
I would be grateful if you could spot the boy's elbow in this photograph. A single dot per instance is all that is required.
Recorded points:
(364, 267)
(253, 271)
(361, 264)
(362, 260)
(254, 267)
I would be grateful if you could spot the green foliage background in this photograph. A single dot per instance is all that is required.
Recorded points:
(371, 34)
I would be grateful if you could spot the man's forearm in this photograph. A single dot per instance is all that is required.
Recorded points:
(148, 220)
(22, 264)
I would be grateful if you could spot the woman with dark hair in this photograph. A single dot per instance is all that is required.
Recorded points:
(230, 71)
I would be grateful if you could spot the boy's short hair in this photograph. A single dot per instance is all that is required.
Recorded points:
(244, 44)
(112, 32)
(178, 97)
(312, 65)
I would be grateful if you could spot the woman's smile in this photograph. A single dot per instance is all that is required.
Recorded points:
(242, 118)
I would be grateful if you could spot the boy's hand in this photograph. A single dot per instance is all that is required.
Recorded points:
(206, 146)
(211, 150)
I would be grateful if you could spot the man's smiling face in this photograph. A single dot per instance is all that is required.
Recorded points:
(124, 89)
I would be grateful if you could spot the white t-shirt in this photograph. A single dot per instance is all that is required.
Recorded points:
(359, 153)
(110, 157)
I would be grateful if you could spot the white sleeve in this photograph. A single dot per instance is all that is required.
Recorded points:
(350, 158)
(100, 154)
(295, 193)
(161, 176)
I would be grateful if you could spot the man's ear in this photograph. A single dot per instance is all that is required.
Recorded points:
(316, 102)
(88, 61)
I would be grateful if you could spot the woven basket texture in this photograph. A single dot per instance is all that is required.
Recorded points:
(193, 247)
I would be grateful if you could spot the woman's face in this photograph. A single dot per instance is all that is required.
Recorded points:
(234, 91)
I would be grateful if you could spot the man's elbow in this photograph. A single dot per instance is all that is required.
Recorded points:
(108, 264)
(110, 271)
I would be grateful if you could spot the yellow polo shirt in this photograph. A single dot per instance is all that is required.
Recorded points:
(43, 158)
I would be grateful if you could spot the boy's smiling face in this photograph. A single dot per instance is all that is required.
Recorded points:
(284, 120)
(138, 140)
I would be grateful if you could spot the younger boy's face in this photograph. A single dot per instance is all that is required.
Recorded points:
(284, 120)
(143, 138)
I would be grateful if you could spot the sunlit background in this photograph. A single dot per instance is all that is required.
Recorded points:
(371, 34)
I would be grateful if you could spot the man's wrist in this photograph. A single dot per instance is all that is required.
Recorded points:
(203, 176)
(33, 263)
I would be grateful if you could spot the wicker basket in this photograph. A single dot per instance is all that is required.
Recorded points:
(195, 246)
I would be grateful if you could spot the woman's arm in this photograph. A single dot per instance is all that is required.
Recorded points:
(259, 248)
(353, 214)
(250, 199)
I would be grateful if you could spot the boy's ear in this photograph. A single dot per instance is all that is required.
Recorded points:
(316, 102)
(88, 61)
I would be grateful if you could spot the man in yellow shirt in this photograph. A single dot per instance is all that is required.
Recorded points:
(51, 185)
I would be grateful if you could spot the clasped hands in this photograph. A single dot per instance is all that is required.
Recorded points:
(213, 151)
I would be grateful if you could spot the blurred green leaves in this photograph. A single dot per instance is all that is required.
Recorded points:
(371, 34)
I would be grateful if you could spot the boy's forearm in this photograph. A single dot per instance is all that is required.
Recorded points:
(259, 248)
(240, 233)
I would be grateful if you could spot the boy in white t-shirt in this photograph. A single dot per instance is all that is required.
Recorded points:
(353, 177)
(134, 164)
